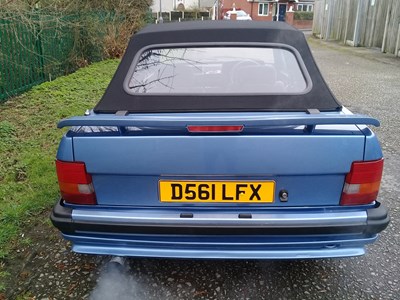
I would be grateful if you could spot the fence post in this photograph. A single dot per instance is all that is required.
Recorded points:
(40, 49)
(321, 35)
(373, 22)
(347, 22)
(2, 65)
(329, 21)
(386, 28)
(357, 26)
(396, 50)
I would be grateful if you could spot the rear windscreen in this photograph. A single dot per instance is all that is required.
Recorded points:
(217, 70)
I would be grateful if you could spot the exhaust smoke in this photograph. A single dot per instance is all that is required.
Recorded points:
(115, 282)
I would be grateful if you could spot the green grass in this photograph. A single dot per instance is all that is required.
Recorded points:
(29, 139)
(3, 275)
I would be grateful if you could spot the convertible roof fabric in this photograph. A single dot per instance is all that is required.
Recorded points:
(241, 32)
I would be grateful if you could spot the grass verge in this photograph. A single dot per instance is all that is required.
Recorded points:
(28, 143)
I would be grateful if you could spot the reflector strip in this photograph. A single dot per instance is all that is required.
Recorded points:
(85, 188)
(216, 129)
(361, 188)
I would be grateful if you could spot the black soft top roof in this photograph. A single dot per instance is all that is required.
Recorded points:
(240, 32)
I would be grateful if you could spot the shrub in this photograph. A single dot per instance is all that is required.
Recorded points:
(303, 15)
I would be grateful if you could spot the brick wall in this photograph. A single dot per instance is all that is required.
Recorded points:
(299, 24)
(303, 24)
(249, 7)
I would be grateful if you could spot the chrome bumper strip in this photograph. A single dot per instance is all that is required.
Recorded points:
(257, 220)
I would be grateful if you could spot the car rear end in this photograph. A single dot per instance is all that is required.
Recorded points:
(186, 157)
(252, 190)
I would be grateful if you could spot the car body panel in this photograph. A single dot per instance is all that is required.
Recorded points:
(205, 155)
(143, 190)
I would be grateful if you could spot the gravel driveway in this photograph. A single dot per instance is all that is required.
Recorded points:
(366, 82)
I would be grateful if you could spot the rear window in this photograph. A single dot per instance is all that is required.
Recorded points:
(217, 70)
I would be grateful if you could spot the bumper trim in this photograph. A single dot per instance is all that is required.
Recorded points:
(368, 222)
(217, 254)
(227, 220)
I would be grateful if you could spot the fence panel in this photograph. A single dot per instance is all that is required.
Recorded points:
(20, 65)
(393, 27)
(381, 8)
(39, 47)
(181, 16)
(57, 43)
(369, 23)
(318, 18)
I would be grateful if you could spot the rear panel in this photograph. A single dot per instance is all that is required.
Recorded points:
(126, 170)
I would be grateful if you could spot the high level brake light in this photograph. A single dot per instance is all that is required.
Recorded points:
(214, 128)
(362, 183)
(75, 183)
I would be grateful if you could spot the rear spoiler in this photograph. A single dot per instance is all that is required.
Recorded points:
(246, 119)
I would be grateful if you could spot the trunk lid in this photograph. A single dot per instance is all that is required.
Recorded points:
(305, 155)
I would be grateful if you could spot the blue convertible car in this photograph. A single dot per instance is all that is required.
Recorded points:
(219, 140)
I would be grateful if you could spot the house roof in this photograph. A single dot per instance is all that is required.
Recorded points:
(217, 32)
(225, 26)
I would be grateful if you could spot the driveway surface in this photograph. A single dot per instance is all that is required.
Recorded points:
(365, 82)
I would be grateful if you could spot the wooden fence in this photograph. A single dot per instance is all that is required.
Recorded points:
(367, 23)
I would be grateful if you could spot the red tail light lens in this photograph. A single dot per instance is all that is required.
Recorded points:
(362, 183)
(75, 183)
(216, 129)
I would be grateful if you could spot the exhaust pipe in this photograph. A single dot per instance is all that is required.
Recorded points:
(118, 260)
(117, 263)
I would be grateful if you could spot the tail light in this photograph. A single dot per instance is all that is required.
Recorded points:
(362, 183)
(75, 183)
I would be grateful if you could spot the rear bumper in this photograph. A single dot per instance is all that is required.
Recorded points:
(205, 247)
(230, 235)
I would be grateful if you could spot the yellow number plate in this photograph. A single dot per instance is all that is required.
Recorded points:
(213, 192)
